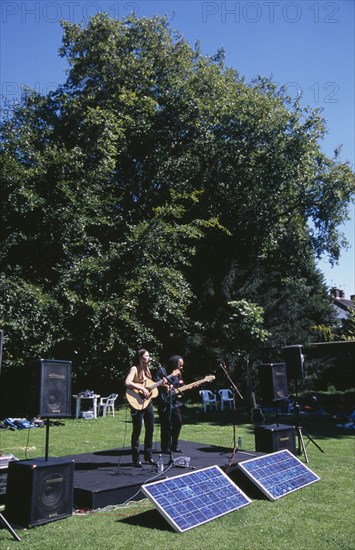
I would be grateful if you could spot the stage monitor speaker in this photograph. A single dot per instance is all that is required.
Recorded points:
(272, 438)
(294, 361)
(48, 392)
(39, 491)
(273, 382)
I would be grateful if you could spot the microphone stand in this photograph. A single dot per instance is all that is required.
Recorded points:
(233, 386)
(171, 458)
(235, 392)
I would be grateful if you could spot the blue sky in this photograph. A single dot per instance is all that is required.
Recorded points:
(306, 45)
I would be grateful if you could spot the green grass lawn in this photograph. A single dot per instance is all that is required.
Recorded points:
(320, 516)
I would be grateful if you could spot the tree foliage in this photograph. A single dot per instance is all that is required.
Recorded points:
(151, 193)
(347, 331)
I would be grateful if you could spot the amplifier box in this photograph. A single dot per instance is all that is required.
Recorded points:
(272, 438)
(39, 491)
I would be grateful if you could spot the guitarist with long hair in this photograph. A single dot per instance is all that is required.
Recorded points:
(138, 380)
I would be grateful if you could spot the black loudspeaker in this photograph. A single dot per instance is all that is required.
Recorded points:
(48, 391)
(273, 382)
(294, 361)
(39, 491)
(272, 438)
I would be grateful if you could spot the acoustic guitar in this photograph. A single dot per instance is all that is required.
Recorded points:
(136, 398)
(257, 416)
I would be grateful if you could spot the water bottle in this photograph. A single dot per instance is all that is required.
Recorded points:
(160, 465)
(240, 443)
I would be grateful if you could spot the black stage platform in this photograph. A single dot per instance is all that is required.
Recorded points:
(105, 478)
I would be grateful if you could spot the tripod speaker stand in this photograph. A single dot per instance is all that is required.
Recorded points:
(300, 433)
(6, 524)
(301, 445)
(295, 369)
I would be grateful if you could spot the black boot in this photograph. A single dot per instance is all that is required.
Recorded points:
(149, 460)
(135, 457)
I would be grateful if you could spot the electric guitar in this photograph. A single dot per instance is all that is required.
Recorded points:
(257, 416)
(209, 378)
(136, 398)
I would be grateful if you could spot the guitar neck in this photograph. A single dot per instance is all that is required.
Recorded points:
(254, 400)
(189, 386)
(151, 387)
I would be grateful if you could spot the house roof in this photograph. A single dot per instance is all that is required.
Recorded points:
(341, 304)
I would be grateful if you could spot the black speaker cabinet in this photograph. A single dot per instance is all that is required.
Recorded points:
(272, 438)
(48, 391)
(39, 491)
(294, 361)
(273, 382)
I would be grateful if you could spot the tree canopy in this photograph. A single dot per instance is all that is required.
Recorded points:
(157, 199)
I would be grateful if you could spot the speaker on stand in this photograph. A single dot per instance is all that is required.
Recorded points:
(48, 391)
(41, 490)
(3, 520)
(294, 360)
(273, 384)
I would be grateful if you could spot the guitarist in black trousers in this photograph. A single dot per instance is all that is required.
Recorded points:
(137, 379)
(169, 405)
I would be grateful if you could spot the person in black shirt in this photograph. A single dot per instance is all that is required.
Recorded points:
(169, 404)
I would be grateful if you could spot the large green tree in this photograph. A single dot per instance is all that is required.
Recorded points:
(157, 199)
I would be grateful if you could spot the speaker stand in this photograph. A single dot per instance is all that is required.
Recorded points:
(301, 448)
(47, 440)
(301, 444)
(276, 411)
(9, 528)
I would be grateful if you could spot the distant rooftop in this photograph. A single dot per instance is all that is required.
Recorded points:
(342, 304)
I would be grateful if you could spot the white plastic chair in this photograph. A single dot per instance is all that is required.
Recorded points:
(226, 396)
(208, 398)
(107, 404)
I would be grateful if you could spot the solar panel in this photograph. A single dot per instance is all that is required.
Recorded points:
(278, 474)
(194, 498)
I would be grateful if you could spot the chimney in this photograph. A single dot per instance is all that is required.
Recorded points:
(337, 293)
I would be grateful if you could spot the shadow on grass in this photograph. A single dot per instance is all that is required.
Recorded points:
(151, 519)
(318, 426)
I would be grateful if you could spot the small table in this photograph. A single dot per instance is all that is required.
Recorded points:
(78, 399)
